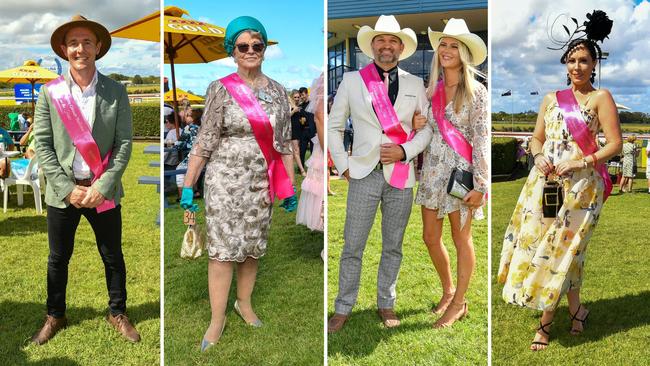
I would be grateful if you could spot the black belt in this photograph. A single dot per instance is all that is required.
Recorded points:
(83, 182)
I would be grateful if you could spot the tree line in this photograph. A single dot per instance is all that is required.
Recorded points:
(531, 116)
(136, 79)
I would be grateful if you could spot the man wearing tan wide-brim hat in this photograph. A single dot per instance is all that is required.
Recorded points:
(100, 107)
(370, 168)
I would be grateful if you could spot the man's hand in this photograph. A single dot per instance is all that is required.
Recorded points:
(93, 198)
(77, 195)
(418, 120)
(390, 153)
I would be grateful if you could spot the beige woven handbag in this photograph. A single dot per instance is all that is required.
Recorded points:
(193, 245)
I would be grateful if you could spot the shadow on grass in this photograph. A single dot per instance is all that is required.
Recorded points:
(16, 226)
(21, 320)
(366, 325)
(606, 318)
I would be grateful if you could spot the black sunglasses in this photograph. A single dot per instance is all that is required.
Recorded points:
(243, 47)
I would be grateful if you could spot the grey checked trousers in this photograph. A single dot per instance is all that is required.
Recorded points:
(364, 196)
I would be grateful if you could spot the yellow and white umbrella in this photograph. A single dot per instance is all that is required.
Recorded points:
(30, 72)
(187, 41)
(182, 94)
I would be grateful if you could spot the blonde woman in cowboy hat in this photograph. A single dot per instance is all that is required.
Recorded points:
(370, 169)
(464, 105)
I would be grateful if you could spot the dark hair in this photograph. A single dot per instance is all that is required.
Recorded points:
(196, 116)
(386, 34)
(593, 48)
(303, 90)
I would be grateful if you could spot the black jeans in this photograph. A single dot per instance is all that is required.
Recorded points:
(305, 145)
(61, 228)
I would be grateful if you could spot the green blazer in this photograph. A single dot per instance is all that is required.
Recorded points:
(111, 131)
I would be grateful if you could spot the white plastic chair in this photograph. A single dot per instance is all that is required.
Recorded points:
(28, 179)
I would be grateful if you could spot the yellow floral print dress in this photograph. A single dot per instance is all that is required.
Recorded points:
(543, 258)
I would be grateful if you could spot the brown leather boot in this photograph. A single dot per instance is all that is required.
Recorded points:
(388, 317)
(50, 328)
(336, 322)
(122, 324)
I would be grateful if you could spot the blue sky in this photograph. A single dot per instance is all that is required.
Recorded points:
(522, 63)
(26, 27)
(297, 26)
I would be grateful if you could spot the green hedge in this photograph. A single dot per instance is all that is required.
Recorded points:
(504, 151)
(146, 118)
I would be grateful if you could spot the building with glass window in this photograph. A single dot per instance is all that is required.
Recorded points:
(345, 17)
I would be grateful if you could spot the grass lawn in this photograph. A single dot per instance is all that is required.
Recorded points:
(89, 339)
(364, 341)
(616, 289)
(288, 298)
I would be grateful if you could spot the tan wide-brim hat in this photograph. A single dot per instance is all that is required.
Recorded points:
(58, 36)
(387, 24)
(456, 28)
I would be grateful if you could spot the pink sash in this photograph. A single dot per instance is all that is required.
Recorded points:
(449, 133)
(279, 182)
(79, 131)
(388, 120)
(580, 132)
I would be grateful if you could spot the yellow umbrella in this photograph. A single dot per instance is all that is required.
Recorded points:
(186, 40)
(30, 72)
(182, 94)
(146, 28)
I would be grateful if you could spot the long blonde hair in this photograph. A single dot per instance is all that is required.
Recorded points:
(466, 82)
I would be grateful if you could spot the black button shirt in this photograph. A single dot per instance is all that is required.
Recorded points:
(393, 83)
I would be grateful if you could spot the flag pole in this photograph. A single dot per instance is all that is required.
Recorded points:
(512, 112)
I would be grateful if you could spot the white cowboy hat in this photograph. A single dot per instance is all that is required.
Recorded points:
(456, 28)
(387, 24)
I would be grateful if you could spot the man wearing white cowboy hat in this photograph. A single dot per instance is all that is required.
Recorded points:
(83, 143)
(384, 103)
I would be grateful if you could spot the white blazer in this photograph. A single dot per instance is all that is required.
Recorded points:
(353, 100)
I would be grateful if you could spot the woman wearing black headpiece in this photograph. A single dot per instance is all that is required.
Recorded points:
(544, 247)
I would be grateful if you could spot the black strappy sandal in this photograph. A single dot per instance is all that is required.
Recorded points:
(541, 327)
(574, 331)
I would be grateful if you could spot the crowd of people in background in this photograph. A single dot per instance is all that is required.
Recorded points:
(623, 168)
(178, 145)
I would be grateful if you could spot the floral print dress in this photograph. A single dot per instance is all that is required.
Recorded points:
(629, 153)
(440, 158)
(237, 202)
(543, 258)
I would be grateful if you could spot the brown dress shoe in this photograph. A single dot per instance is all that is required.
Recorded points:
(336, 322)
(51, 327)
(388, 317)
(122, 324)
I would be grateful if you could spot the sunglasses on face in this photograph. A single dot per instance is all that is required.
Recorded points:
(243, 47)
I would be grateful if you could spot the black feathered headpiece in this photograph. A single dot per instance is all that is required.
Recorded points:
(596, 28)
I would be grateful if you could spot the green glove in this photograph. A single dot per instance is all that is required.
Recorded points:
(186, 200)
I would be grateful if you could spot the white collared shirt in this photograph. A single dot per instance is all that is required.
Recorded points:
(86, 102)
